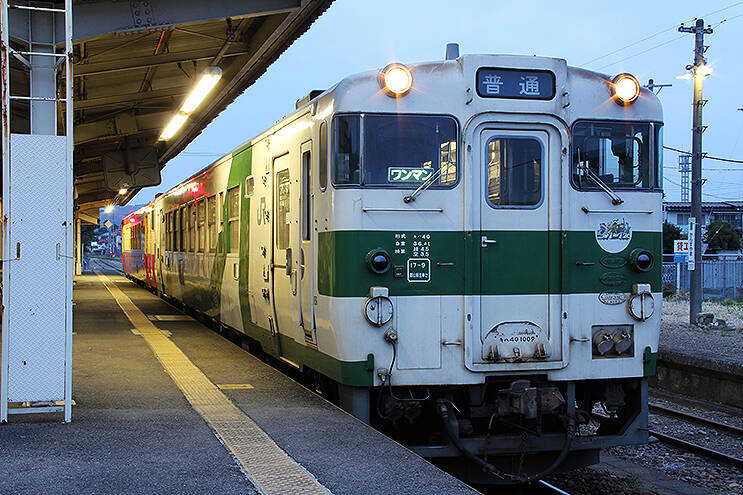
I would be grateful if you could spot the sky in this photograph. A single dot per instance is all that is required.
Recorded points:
(358, 35)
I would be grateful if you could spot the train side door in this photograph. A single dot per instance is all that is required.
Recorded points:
(285, 246)
(306, 243)
(519, 255)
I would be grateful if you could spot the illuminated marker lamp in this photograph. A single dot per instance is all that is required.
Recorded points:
(208, 80)
(395, 80)
(625, 88)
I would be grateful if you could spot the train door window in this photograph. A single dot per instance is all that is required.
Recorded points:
(323, 173)
(182, 230)
(201, 224)
(233, 198)
(514, 172)
(168, 239)
(283, 207)
(193, 242)
(220, 210)
(173, 230)
(306, 195)
(211, 213)
(347, 150)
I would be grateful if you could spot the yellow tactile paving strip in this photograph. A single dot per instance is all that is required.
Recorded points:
(269, 467)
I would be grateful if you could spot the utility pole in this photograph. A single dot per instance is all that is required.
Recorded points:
(699, 71)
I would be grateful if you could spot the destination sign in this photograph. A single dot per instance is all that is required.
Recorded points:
(516, 83)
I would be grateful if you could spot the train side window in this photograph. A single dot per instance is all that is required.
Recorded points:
(192, 223)
(233, 198)
(323, 173)
(514, 172)
(201, 224)
(346, 150)
(249, 186)
(306, 195)
(212, 222)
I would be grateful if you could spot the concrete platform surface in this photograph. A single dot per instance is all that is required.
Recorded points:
(134, 431)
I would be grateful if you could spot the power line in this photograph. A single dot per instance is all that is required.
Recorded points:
(658, 34)
(706, 157)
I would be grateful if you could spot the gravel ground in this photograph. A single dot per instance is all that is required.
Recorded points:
(687, 467)
(676, 334)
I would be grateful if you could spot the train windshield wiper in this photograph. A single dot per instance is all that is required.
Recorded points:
(615, 200)
(427, 183)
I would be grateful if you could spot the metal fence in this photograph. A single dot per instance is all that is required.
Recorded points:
(721, 279)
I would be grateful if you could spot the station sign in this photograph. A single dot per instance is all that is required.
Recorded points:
(515, 83)
(681, 251)
(692, 238)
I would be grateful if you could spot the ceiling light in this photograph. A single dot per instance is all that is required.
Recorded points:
(123, 190)
(108, 209)
(209, 78)
(175, 123)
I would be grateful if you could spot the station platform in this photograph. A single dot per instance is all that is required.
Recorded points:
(165, 405)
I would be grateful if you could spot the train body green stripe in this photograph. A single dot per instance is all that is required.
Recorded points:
(521, 262)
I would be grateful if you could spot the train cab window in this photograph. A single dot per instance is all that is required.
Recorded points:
(211, 213)
(233, 198)
(514, 172)
(408, 150)
(617, 155)
(347, 150)
(323, 173)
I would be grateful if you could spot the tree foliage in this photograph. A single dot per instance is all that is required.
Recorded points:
(670, 233)
(720, 236)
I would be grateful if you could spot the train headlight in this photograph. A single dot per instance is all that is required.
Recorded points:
(626, 88)
(396, 80)
(378, 261)
(641, 260)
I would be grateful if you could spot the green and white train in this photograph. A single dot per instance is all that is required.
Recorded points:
(465, 253)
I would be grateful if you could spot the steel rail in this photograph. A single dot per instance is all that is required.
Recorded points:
(552, 487)
(693, 418)
(698, 449)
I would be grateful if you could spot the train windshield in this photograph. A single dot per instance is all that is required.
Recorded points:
(617, 154)
(398, 151)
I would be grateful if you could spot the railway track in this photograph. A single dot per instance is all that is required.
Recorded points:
(694, 447)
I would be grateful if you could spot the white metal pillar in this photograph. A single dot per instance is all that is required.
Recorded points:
(38, 227)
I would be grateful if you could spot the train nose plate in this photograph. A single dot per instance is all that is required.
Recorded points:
(516, 341)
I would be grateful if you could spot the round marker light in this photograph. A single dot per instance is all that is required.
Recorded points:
(396, 80)
(378, 260)
(626, 88)
(641, 260)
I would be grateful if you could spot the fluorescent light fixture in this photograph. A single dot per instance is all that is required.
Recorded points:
(123, 190)
(108, 209)
(209, 78)
(175, 123)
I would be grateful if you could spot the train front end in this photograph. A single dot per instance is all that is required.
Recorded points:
(495, 244)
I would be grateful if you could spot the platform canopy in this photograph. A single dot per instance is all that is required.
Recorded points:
(134, 63)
